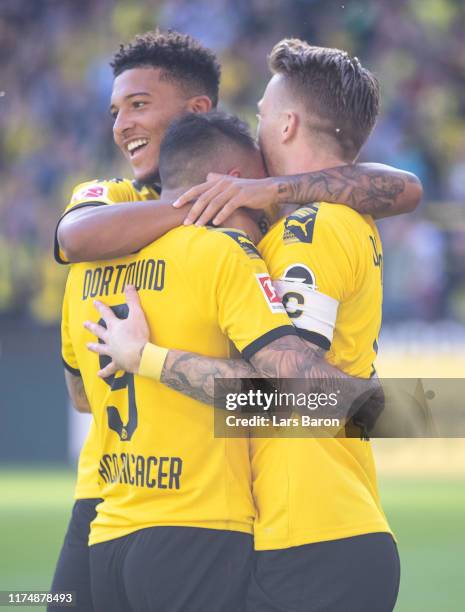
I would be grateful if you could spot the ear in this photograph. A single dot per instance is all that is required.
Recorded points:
(199, 104)
(235, 172)
(289, 126)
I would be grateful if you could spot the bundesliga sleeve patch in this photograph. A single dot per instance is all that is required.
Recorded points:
(270, 293)
(91, 192)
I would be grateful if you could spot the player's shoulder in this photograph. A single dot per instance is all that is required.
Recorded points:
(102, 190)
(317, 221)
(345, 231)
(299, 226)
(341, 215)
(101, 184)
(230, 240)
(209, 249)
(320, 225)
(145, 191)
(210, 244)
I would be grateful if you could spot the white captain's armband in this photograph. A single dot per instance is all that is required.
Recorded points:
(310, 310)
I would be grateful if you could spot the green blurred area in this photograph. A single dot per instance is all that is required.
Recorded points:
(427, 515)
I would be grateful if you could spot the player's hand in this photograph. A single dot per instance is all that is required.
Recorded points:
(222, 194)
(123, 339)
(371, 406)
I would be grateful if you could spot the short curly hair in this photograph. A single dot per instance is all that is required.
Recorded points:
(182, 59)
(333, 87)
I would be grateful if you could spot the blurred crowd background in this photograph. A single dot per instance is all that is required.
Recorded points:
(55, 86)
(56, 131)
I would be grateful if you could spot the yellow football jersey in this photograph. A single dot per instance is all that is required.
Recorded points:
(159, 462)
(326, 263)
(98, 192)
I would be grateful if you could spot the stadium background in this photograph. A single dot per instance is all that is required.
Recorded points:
(56, 130)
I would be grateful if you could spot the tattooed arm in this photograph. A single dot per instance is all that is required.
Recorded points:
(77, 392)
(194, 375)
(374, 189)
(286, 358)
(370, 189)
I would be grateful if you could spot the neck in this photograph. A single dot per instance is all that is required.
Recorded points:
(304, 160)
(149, 180)
(174, 193)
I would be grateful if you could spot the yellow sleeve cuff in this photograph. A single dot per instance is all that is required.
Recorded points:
(152, 361)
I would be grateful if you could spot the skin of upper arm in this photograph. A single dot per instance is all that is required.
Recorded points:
(66, 230)
(291, 357)
(77, 392)
(106, 232)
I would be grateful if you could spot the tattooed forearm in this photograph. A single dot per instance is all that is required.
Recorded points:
(194, 375)
(374, 189)
(296, 366)
(292, 358)
(77, 392)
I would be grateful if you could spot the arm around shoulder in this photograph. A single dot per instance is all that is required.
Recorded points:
(94, 233)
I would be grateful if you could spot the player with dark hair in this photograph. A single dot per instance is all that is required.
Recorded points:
(154, 82)
(148, 92)
(322, 538)
(163, 73)
(181, 59)
(189, 144)
(173, 531)
(157, 77)
(151, 87)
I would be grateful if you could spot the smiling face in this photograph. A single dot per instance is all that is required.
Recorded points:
(143, 105)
